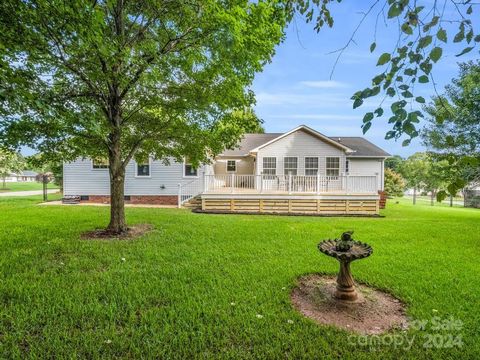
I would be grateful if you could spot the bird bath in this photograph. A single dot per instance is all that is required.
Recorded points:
(345, 250)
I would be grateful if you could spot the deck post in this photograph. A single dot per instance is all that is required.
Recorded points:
(318, 183)
(179, 199)
(290, 183)
(232, 183)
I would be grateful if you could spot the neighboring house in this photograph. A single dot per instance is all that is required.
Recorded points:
(24, 176)
(301, 171)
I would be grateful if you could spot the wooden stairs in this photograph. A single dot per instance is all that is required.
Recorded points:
(194, 203)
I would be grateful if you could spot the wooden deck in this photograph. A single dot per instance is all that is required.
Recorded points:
(285, 203)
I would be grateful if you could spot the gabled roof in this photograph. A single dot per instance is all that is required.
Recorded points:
(354, 146)
(311, 132)
(362, 147)
(28, 173)
(249, 142)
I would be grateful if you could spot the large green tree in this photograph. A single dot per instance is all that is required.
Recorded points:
(415, 171)
(121, 78)
(453, 127)
(10, 162)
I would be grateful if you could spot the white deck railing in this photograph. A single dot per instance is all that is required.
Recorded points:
(317, 184)
(188, 191)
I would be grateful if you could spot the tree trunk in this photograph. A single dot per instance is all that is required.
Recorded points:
(4, 183)
(117, 223)
(451, 200)
(414, 195)
(432, 196)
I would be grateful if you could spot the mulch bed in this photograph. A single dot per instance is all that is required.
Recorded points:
(375, 312)
(132, 233)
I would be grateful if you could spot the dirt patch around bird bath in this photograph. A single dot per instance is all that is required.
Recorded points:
(133, 232)
(375, 312)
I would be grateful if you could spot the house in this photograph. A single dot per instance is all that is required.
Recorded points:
(300, 171)
(24, 176)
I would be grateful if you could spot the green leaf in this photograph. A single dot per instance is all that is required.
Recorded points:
(424, 41)
(391, 92)
(379, 112)
(366, 126)
(436, 54)
(469, 10)
(407, 29)
(420, 99)
(423, 79)
(406, 142)
(407, 94)
(459, 36)
(368, 117)
(390, 135)
(357, 103)
(441, 195)
(394, 10)
(403, 87)
(383, 59)
(442, 35)
(466, 50)
(373, 46)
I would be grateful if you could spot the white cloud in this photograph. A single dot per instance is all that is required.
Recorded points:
(324, 84)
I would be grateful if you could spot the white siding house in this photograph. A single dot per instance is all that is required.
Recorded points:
(302, 165)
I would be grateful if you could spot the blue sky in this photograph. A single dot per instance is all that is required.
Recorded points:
(295, 88)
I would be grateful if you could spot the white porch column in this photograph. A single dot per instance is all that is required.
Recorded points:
(232, 183)
(318, 183)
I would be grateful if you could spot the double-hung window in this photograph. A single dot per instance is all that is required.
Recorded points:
(269, 165)
(290, 165)
(311, 166)
(143, 169)
(189, 169)
(231, 166)
(100, 163)
(332, 167)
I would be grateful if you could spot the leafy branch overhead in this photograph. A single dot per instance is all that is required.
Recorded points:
(424, 28)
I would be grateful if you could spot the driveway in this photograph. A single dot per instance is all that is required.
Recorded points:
(26, 193)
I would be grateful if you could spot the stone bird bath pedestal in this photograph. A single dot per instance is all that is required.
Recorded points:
(345, 250)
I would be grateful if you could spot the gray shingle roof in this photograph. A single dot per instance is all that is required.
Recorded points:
(249, 142)
(29, 173)
(362, 146)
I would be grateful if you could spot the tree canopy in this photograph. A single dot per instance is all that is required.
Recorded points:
(453, 126)
(10, 162)
(121, 79)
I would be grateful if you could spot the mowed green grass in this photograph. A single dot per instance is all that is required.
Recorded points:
(193, 287)
(25, 186)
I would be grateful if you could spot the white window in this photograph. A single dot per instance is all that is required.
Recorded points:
(311, 166)
(143, 169)
(231, 166)
(290, 165)
(189, 169)
(332, 166)
(269, 165)
(100, 163)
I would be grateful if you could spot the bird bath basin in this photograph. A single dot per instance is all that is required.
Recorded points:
(345, 250)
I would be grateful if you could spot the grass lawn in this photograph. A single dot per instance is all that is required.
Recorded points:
(25, 186)
(194, 286)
